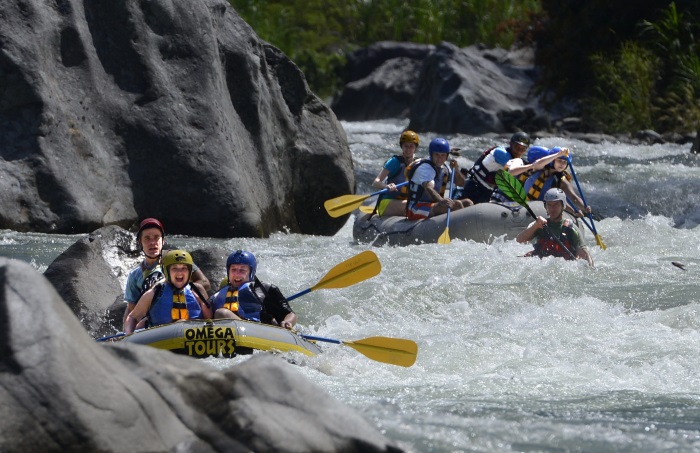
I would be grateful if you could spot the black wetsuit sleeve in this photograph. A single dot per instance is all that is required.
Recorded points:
(275, 305)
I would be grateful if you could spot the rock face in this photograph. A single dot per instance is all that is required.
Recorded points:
(62, 391)
(115, 111)
(382, 81)
(443, 89)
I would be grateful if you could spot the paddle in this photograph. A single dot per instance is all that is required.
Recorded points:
(510, 186)
(598, 239)
(445, 236)
(395, 351)
(345, 204)
(366, 209)
(353, 270)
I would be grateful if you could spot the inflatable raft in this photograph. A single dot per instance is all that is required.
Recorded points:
(221, 338)
(483, 222)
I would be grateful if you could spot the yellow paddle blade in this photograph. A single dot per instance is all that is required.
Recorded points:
(599, 241)
(366, 209)
(354, 270)
(395, 351)
(344, 204)
(445, 237)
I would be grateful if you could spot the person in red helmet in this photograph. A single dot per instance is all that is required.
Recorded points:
(150, 240)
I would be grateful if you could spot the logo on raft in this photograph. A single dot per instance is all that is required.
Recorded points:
(210, 340)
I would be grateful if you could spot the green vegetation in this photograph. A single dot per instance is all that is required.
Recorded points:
(317, 34)
(632, 66)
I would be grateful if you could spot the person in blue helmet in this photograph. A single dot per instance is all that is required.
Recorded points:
(177, 298)
(428, 180)
(393, 172)
(481, 178)
(246, 297)
(150, 240)
(569, 240)
(554, 174)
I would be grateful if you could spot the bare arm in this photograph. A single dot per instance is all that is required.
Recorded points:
(379, 180)
(582, 253)
(528, 233)
(139, 311)
(539, 164)
(201, 279)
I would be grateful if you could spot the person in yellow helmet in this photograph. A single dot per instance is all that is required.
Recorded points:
(393, 173)
(177, 298)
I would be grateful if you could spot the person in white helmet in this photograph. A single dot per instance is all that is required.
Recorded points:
(561, 238)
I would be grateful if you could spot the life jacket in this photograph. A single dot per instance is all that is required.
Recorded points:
(243, 301)
(170, 304)
(416, 192)
(481, 173)
(550, 247)
(397, 177)
(541, 185)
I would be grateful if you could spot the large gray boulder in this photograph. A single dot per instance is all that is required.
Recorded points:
(112, 111)
(381, 81)
(475, 91)
(62, 391)
(444, 89)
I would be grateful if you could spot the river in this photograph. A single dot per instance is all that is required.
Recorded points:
(515, 354)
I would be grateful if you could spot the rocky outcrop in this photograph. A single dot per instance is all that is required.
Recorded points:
(62, 391)
(115, 111)
(443, 89)
(381, 81)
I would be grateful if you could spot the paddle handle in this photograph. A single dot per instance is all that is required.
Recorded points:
(314, 338)
(583, 198)
(116, 335)
(299, 294)
(386, 190)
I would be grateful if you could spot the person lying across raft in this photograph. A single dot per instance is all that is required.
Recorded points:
(553, 175)
(562, 229)
(173, 300)
(246, 297)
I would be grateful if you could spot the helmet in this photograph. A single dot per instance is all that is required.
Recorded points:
(556, 149)
(149, 223)
(242, 257)
(521, 138)
(555, 194)
(409, 136)
(176, 257)
(438, 145)
(145, 224)
(536, 153)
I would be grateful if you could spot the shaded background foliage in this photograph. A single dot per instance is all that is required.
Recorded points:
(628, 66)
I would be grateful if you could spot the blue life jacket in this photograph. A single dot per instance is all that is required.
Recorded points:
(164, 305)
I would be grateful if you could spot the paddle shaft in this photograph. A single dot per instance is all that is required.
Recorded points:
(583, 198)
(445, 236)
(395, 351)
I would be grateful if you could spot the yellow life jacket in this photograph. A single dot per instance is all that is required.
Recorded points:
(538, 185)
(179, 310)
(231, 302)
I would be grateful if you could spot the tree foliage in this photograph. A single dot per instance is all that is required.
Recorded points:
(635, 65)
(317, 34)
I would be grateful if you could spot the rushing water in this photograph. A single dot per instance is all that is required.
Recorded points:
(515, 354)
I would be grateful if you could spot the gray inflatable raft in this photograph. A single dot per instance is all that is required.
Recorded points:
(481, 223)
